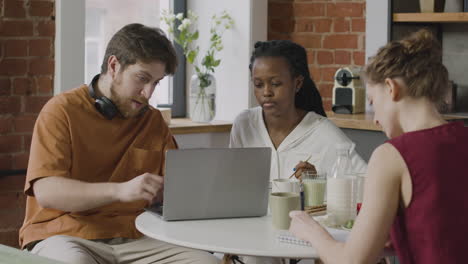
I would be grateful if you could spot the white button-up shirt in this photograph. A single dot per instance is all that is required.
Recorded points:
(314, 136)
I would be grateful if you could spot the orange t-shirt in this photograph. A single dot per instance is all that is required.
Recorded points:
(72, 139)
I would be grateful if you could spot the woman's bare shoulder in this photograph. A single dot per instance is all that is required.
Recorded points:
(387, 161)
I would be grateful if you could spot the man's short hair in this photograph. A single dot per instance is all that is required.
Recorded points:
(137, 42)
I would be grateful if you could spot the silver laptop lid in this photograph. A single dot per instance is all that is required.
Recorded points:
(216, 183)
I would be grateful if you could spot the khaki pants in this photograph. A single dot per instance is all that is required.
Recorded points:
(267, 260)
(76, 250)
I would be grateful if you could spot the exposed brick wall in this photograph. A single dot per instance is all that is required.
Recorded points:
(12, 208)
(332, 31)
(27, 32)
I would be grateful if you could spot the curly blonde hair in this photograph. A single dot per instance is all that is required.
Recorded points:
(417, 60)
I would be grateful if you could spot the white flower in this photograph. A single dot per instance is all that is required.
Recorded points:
(187, 33)
(192, 15)
(184, 25)
(171, 18)
(186, 22)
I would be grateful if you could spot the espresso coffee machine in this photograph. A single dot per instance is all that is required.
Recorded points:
(348, 92)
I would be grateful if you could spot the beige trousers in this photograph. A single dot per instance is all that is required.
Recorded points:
(267, 260)
(76, 250)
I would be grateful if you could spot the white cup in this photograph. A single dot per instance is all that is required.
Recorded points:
(285, 185)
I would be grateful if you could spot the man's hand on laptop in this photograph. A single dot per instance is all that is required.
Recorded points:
(144, 187)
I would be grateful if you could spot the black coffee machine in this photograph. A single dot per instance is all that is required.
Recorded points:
(348, 92)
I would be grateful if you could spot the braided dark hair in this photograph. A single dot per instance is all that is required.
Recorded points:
(308, 97)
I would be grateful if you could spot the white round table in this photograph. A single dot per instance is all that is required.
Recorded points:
(253, 236)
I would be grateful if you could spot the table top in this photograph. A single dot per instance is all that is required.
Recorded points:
(254, 236)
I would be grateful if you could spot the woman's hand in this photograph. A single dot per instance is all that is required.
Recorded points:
(389, 244)
(302, 225)
(303, 166)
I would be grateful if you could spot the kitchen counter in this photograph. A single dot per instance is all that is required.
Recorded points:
(362, 121)
(186, 126)
(365, 121)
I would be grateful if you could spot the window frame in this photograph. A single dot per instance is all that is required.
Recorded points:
(179, 94)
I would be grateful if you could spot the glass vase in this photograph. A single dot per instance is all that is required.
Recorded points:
(202, 98)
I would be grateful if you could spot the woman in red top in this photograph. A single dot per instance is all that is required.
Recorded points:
(416, 185)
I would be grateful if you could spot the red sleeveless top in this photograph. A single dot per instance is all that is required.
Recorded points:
(434, 227)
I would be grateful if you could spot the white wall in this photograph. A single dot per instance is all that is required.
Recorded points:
(69, 45)
(232, 76)
(377, 29)
(259, 26)
(377, 25)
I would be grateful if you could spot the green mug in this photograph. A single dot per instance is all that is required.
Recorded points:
(281, 203)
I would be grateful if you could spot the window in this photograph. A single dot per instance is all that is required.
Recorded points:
(104, 18)
(232, 75)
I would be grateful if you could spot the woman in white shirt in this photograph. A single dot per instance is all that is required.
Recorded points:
(290, 118)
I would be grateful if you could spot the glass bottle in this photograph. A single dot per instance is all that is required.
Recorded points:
(341, 201)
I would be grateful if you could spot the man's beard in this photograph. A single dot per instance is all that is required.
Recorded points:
(123, 104)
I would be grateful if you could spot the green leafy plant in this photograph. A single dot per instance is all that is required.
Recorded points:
(183, 30)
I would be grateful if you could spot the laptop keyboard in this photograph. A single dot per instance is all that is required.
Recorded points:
(156, 208)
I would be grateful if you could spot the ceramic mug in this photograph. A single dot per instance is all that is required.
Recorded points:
(281, 203)
(285, 185)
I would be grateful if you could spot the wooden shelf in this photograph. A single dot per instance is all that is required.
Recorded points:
(362, 121)
(431, 17)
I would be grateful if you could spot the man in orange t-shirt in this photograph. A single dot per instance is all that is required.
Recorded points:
(97, 159)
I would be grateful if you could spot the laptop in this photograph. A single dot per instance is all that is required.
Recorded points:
(215, 183)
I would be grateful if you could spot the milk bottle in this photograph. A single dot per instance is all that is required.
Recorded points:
(341, 204)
